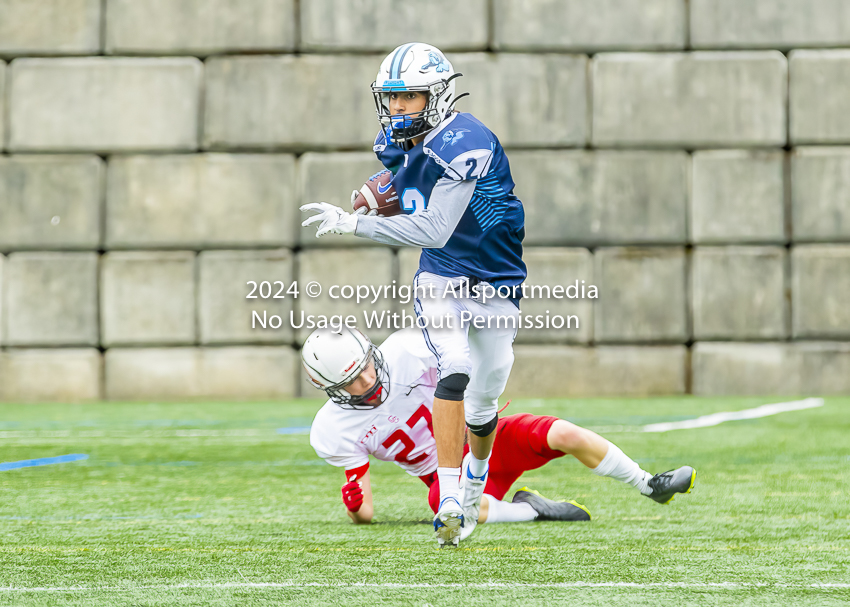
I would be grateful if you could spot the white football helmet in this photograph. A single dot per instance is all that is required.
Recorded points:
(335, 358)
(415, 66)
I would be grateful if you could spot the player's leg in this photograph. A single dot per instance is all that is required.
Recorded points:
(585, 445)
(528, 506)
(604, 458)
(496, 511)
(521, 446)
(448, 425)
(447, 339)
(491, 352)
(493, 509)
(601, 456)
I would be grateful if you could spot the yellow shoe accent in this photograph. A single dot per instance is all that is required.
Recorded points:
(691, 486)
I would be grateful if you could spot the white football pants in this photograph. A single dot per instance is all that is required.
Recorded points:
(484, 354)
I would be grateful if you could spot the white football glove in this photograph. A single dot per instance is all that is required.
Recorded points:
(333, 219)
(361, 210)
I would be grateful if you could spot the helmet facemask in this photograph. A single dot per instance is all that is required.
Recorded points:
(401, 128)
(374, 396)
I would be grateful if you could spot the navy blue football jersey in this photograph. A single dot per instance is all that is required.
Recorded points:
(487, 242)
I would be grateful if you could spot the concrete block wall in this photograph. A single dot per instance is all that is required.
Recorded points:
(50, 299)
(201, 200)
(818, 114)
(738, 197)
(377, 25)
(50, 27)
(224, 287)
(148, 298)
(104, 104)
(199, 27)
(690, 158)
(722, 309)
(820, 194)
(51, 202)
(589, 25)
(768, 24)
(603, 197)
(692, 100)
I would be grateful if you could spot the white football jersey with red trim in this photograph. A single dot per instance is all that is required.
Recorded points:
(400, 429)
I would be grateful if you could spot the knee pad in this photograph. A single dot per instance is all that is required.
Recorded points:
(452, 387)
(484, 429)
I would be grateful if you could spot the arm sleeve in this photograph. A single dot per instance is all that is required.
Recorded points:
(334, 449)
(356, 473)
(430, 228)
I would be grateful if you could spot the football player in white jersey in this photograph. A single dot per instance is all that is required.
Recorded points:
(458, 203)
(380, 405)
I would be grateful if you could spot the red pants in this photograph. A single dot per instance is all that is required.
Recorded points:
(520, 445)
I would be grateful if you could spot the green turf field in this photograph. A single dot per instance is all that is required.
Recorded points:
(208, 504)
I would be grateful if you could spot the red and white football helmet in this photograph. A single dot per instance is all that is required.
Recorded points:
(335, 358)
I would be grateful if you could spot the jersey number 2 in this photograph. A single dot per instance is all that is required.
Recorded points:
(411, 198)
(400, 436)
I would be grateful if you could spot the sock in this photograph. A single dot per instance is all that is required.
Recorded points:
(620, 466)
(508, 512)
(478, 467)
(449, 479)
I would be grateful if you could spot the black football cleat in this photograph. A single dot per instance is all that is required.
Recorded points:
(666, 485)
(550, 510)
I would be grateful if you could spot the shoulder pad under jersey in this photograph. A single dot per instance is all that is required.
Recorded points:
(462, 146)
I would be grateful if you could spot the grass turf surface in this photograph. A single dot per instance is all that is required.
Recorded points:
(207, 504)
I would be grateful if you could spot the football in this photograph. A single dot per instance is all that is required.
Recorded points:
(378, 195)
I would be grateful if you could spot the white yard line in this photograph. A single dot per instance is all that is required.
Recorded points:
(390, 586)
(725, 416)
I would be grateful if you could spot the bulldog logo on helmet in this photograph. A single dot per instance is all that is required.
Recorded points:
(435, 60)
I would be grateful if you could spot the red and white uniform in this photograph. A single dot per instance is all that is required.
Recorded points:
(400, 430)
(397, 431)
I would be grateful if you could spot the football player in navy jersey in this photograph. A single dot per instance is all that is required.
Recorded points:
(456, 193)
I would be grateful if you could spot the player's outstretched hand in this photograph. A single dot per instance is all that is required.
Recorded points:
(332, 218)
(352, 495)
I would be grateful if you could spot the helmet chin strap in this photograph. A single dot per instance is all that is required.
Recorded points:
(376, 395)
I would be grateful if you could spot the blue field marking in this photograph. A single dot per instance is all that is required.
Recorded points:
(43, 461)
(294, 430)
